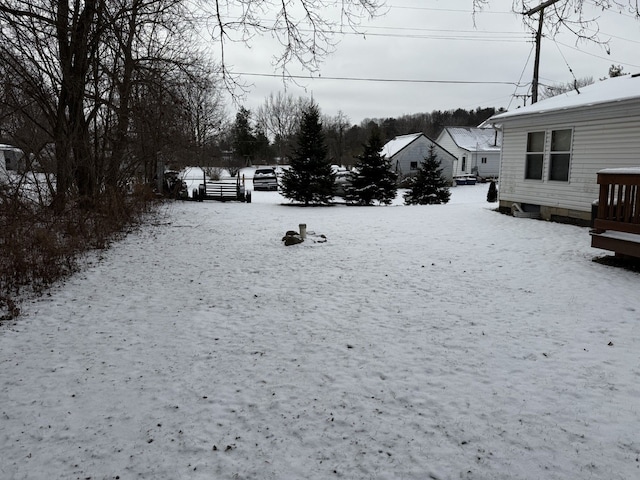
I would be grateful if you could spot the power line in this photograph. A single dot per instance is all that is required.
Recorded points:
(384, 80)
(439, 30)
(521, 75)
(611, 35)
(599, 56)
(619, 11)
(575, 80)
(475, 37)
(454, 10)
(435, 34)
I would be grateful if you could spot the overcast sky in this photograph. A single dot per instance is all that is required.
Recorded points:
(427, 47)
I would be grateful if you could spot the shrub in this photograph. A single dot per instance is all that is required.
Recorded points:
(39, 247)
(492, 194)
(428, 186)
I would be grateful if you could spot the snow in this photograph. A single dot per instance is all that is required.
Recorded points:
(620, 171)
(475, 139)
(437, 341)
(398, 143)
(627, 237)
(612, 90)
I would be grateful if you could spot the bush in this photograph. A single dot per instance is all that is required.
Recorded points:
(428, 186)
(492, 194)
(373, 178)
(39, 248)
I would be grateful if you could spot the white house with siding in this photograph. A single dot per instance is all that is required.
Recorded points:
(10, 159)
(477, 150)
(553, 149)
(406, 152)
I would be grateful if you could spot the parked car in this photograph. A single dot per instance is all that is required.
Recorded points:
(465, 179)
(343, 180)
(265, 178)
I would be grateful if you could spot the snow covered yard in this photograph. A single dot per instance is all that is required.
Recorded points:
(443, 342)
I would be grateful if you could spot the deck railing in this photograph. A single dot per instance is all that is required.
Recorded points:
(619, 201)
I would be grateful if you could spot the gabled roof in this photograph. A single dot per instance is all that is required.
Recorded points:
(475, 139)
(398, 143)
(606, 92)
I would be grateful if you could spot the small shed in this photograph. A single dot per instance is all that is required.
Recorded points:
(477, 150)
(406, 152)
(553, 149)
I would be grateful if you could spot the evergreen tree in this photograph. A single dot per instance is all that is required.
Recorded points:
(373, 178)
(428, 186)
(310, 178)
(492, 194)
(243, 139)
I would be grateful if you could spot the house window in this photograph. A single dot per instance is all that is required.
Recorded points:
(483, 160)
(560, 155)
(413, 165)
(535, 156)
(464, 164)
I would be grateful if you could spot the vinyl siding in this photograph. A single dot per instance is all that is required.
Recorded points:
(489, 169)
(446, 142)
(3, 166)
(598, 142)
(417, 151)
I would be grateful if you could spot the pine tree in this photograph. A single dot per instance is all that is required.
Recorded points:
(428, 187)
(373, 178)
(310, 179)
(492, 194)
(244, 142)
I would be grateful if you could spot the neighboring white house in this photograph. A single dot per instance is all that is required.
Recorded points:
(10, 158)
(552, 150)
(406, 152)
(477, 150)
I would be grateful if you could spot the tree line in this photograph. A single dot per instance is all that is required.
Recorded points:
(267, 135)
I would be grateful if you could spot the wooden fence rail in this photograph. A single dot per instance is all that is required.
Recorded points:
(618, 211)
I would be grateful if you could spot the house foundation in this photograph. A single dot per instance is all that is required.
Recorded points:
(553, 214)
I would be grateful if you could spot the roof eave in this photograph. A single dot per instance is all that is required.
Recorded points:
(578, 109)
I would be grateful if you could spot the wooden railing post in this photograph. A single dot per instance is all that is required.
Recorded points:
(619, 201)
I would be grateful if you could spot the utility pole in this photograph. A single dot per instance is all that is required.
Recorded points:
(536, 66)
(525, 96)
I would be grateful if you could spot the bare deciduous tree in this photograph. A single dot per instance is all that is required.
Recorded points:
(335, 128)
(114, 86)
(83, 64)
(304, 28)
(572, 15)
(279, 117)
(557, 89)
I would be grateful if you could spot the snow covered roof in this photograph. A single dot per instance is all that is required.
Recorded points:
(475, 139)
(4, 146)
(610, 91)
(398, 143)
(620, 171)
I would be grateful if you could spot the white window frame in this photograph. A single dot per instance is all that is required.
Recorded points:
(553, 153)
(530, 153)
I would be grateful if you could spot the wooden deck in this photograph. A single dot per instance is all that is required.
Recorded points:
(616, 226)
